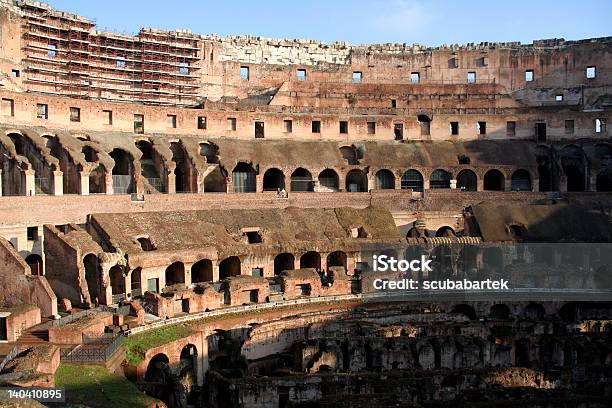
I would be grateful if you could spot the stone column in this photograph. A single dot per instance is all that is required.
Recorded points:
(350, 264)
(479, 184)
(202, 360)
(215, 271)
(593, 183)
(259, 183)
(171, 183)
(0, 182)
(425, 184)
(371, 182)
(398, 182)
(58, 183)
(341, 182)
(563, 184)
(508, 184)
(453, 184)
(30, 183)
(535, 185)
(83, 183)
(110, 190)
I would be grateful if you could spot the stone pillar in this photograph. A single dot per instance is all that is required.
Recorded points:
(324, 260)
(563, 184)
(202, 360)
(259, 183)
(30, 183)
(171, 183)
(0, 182)
(592, 183)
(371, 182)
(479, 184)
(507, 184)
(535, 185)
(83, 183)
(425, 184)
(110, 190)
(341, 182)
(215, 271)
(350, 264)
(453, 184)
(58, 183)
(200, 183)
(398, 182)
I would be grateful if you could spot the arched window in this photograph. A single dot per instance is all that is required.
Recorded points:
(466, 180)
(412, 180)
(273, 180)
(244, 178)
(328, 181)
(356, 181)
(440, 179)
(494, 180)
(385, 180)
(301, 180)
(521, 180)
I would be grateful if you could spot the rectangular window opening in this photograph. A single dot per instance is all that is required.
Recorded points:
(316, 126)
(259, 130)
(52, 50)
(600, 125)
(529, 75)
(511, 128)
(481, 128)
(393, 103)
(357, 77)
(42, 111)
(569, 126)
(8, 107)
(244, 73)
(121, 62)
(591, 72)
(301, 74)
(343, 126)
(15, 73)
(231, 124)
(398, 131)
(471, 77)
(201, 122)
(108, 117)
(288, 125)
(138, 124)
(559, 98)
(171, 120)
(32, 233)
(75, 114)
(454, 128)
(415, 77)
(184, 68)
(371, 128)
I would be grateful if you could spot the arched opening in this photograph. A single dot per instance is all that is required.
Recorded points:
(273, 180)
(328, 181)
(572, 162)
(35, 263)
(136, 282)
(216, 181)
(188, 368)
(90, 154)
(117, 281)
(244, 178)
(311, 259)
(157, 368)
(467, 180)
(499, 311)
(350, 154)
(534, 311)
(604, 180)
(356, 181)
(93, 278)
(440, 179)
(385, 180)
(148, 169)
(146, 148)
(445, 231)
(175, 274)
(466, 310)
(301, 180)
(123, 170)
(209, 151)
(229, 267)
(412, 180)
(425, 124)
(146, 244)
(521, 180)
(545, 179)
(337, 258)
(97, 180)
(283, 262)
(494, 180)
(184, 177)
(202, 271)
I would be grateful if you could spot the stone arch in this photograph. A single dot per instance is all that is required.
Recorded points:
(35, 263)
(123, 172)
(466, 310)
(185, 177)
(229, 267)
(337, 258)
(136, 282)
(572, 162)
(521, 180)
(445, 231)
(273, 180)
(328, 181)
(93, 278)
(301, 180)
(350, 154)
(188, 364)
(282, 262)
(385, 180)
(175, 274)
(440, 179)
(202, 271)
(499, 311)
(117, 280)
(97, 180)
(216, 181)
(149, 168)
(494, 180)
(311, 259)
(210, 151)
(413, 180)
(467, 180)
(244, 178)
(146, 148)
(356, 181)
(156, 369)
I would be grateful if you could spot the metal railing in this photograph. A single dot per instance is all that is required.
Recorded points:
(11, 355)
(82, 314)
(92, 350)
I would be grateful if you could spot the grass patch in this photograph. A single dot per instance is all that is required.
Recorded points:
(95, 387)
(136, 346)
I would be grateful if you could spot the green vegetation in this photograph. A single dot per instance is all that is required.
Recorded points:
(95, 387)
(136, 346)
